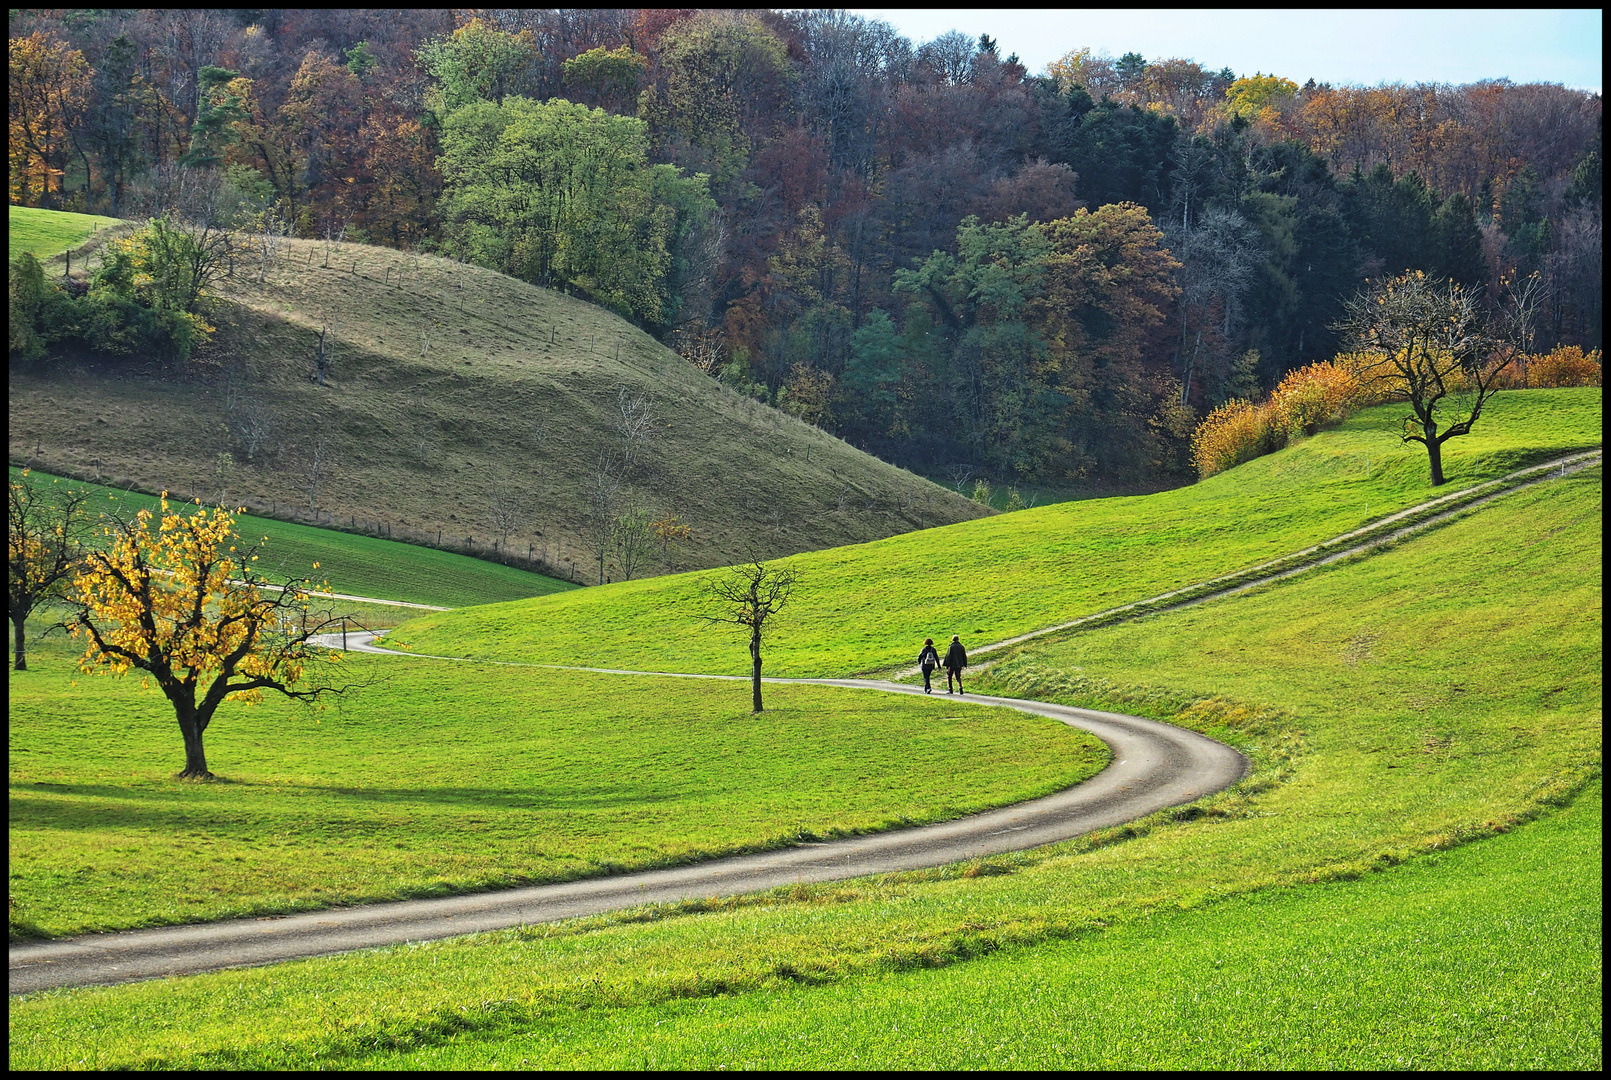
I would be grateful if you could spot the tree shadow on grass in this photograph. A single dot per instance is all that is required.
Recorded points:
(102, 806)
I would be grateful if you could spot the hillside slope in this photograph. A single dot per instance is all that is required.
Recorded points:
(868, 608)
(451, 382)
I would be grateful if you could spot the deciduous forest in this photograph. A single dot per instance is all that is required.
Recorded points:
(946, 259)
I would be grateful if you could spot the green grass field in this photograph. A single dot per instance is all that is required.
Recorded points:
(1485, 957)
(869, 607)
(448, 779)
(46, 233)
(361, 565)
(1441, 692)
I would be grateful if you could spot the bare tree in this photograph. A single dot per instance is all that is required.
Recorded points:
(335, 232)
(1433, 343)
(703, 348)
(961, 473)
(634, 541)
(602, 490)
(634, 426)
(1218, 256)
(313, 469)
(324, 350)
(223, 471)
(249, 420)
(270, 230)
(747, 595)
(506, 506)
(253, 425)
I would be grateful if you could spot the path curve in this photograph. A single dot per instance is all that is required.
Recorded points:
(1155, 766)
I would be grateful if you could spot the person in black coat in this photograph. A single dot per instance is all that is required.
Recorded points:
(956, 658)
(928, 660)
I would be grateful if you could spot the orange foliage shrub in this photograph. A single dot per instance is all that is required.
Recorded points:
(1313, 396)
(1565, 365)
(1233, 433)
(1307, 398)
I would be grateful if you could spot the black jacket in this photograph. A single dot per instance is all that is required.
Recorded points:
(956, 657)
(928, 657)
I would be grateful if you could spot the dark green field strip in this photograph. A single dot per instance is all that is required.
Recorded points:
(367, 566)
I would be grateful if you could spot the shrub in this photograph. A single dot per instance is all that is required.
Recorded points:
(1306, 400)
(1235, 432)
(134, 303)
(1311, 397)
(29, 296)
(1564, 366)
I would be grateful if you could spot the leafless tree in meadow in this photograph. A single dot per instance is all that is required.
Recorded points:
(602, 493)
(324, 350)
(747, 595)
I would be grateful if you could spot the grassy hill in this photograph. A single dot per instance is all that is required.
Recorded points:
(47, 233)
(449, 385)
(869, 607)
(1438, 693)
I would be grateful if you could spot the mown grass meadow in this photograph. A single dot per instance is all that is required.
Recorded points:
(448, 778)
(1398, 709)
(1484, 957)
(46, 233)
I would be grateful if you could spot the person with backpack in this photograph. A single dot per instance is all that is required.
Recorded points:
(956, 658)
(928, 660)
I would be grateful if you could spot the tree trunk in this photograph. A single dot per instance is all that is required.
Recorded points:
(1434, 451)
(755, 659)
(195, 757)
(22, 642)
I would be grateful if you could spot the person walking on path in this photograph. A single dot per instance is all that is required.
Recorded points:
(928, 660)
(956, 658)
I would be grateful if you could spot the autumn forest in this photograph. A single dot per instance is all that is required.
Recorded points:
(923, 247)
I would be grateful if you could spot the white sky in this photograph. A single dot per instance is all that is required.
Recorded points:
(1335, 46)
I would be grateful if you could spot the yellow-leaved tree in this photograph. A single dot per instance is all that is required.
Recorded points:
(175, 596)
(45, 532)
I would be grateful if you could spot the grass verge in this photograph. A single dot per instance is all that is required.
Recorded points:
(1486, 957)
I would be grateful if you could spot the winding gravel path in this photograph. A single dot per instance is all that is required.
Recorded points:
(1154, 766)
